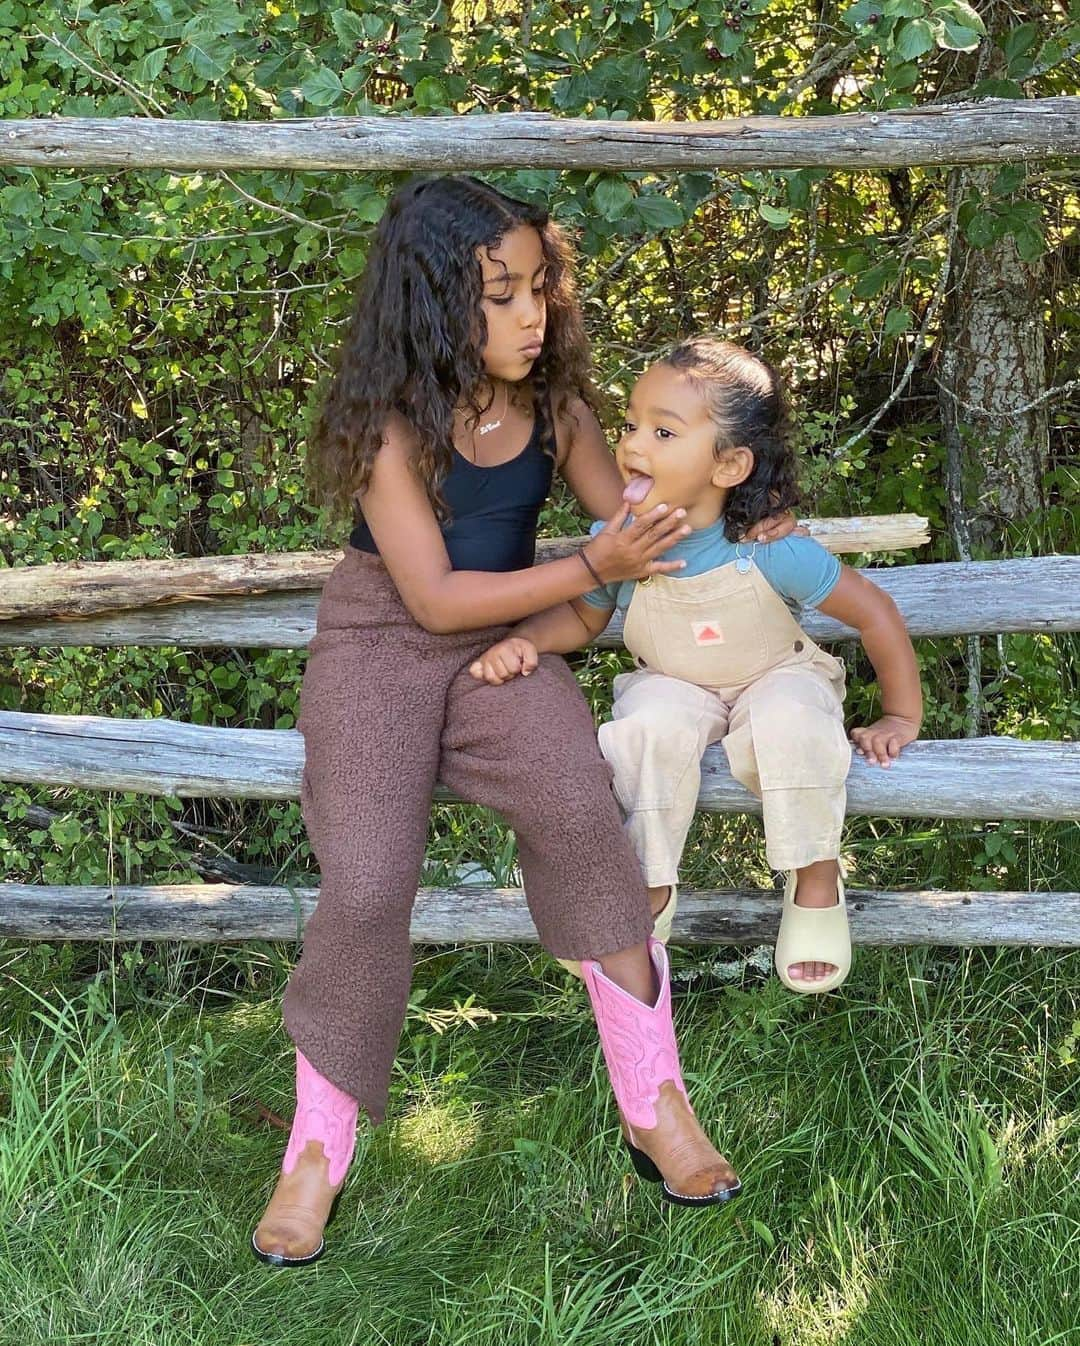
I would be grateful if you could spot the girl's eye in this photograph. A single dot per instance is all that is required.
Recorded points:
(627, 428)
(663, 433)
(501, 302)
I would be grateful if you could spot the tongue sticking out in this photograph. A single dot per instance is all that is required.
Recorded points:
(637, 488)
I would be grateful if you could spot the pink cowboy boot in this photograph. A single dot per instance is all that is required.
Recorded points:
(643, 1062)
(327, 1115)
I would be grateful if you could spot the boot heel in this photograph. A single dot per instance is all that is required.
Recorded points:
(643, 1165)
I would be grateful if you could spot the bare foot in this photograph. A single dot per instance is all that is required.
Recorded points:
(292, 1225)
(689, 1161)
(817, 888)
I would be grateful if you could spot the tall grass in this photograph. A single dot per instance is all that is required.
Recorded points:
(909, 1149)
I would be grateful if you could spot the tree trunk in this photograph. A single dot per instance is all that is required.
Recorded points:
(993, 366)
(993, 350)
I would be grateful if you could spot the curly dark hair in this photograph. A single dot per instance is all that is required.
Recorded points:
(416, 340)
(747, 403)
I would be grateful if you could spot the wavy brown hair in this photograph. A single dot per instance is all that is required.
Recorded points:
(416, 340)
(746, 401)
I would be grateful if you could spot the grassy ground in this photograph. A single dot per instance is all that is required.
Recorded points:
(909, 1150)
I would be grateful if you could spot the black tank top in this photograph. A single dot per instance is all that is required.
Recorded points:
(493, 510)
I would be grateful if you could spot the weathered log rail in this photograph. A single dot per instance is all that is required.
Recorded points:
(984, 132)
(945, 599)
(74, 589)
(983, 778)
(212, 913)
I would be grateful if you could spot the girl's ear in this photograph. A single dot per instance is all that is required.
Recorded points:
(733, 467)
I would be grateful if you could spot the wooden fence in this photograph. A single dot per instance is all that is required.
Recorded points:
(270, 601)
(993, 130)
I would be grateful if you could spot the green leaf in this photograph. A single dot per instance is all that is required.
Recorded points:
(65, 831)
(431, 92)
(210, 57)
(1030, 242)
(954, 37)
(322, 87)
(728, 41)
(873, 281)
(659, 212)
(777, 216)
(566, 42)
(911, 39)
(997, 88)
(856, 15)
(960, 13)
(897, 320)
(982, 228)
(613, 198)
(798, 191)
(1018, 42)
(151, 65)
(1010, 178)
(904, 76)
(357, 75)
(347, 26)
(22, 201)
(365, 203)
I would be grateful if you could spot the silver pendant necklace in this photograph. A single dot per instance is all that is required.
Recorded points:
(487, 426)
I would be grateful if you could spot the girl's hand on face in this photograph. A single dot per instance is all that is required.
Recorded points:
(881, 741)
(775, 527)
(617, 553)
(510, 657)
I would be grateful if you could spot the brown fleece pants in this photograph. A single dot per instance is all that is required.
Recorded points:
(388, 709)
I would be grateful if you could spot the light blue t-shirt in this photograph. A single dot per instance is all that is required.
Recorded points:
(801, 571)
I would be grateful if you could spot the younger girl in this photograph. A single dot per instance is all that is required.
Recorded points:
(720, 654)
(462, 386)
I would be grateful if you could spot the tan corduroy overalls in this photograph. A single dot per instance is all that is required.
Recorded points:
(720, 657)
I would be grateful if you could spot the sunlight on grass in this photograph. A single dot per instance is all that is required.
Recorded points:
(799, 1318)
(437, 1133)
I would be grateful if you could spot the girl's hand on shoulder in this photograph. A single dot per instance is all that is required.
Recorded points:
(775, 527)
(881, 741)
(510, 657)
(617, 553)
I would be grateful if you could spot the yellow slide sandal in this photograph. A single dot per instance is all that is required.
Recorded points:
(813, 935)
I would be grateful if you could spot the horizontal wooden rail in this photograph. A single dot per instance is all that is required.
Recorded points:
(950, 598)
(209, 913)
(967, 778)
(984, 132)
(84, 588)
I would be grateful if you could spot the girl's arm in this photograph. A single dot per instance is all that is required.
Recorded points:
(588, 467)
(442, 599)
(560, 629)
(857, 602)
(586, 463)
